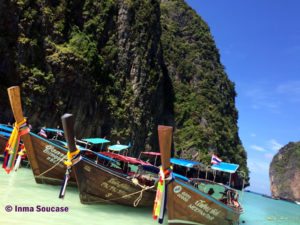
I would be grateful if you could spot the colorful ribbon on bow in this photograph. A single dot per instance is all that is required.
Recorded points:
(12, 145)
(68, 163)
(161, 194)
(20, 156)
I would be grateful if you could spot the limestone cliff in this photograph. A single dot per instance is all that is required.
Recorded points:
(121, 67)
(285, 173)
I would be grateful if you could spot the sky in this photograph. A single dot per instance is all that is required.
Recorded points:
(259, 43)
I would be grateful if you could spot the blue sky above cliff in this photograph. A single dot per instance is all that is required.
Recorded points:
(259, 42)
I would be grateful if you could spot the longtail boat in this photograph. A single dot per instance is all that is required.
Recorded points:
(110, 181)
(192, 202)
(45, 157)
(5, 132)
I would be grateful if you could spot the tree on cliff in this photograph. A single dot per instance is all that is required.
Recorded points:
(121, 67)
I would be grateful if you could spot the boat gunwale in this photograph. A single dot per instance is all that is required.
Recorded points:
(110, 171)
(192, 188)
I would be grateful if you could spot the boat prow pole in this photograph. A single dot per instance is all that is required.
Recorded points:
(16, 106)
(162, 196)
(68, 126)
(165, 141)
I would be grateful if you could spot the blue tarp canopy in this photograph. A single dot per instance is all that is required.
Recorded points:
(185, 162)
(118, 148)
(53, 130)
(2, 133)
(152, 169)
(176, 175)
(96, 140)
(226, 167)
(6, 128)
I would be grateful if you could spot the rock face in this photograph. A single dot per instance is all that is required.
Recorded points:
(285, 173)
(121, 67)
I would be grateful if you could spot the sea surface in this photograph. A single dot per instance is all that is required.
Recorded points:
(19, 189)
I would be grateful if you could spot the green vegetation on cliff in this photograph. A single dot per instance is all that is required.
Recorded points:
(121, 67)
(285, 172)
(205, 113)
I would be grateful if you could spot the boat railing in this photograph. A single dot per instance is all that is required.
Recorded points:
(219, 191)
(86, 144)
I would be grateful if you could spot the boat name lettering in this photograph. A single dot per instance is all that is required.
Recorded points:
(177, 189)
(203, 209)
(183, 196)
(87, 168)
(54, 156)
(116, 187)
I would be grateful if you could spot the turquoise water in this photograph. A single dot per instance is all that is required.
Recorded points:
(19, 189)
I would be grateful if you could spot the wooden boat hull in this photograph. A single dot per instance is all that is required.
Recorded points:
(3, 141)
(188, 205)
(42, 154)
(100, 184)
(47, 155)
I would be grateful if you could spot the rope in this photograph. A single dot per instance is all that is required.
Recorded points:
(63, 158)
(144, 188)
(12, 145)
(70, 157)
(135, 203)
(134, 180)
(67, 156)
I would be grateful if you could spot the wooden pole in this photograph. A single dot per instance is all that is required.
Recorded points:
(165, 141)
(68, 126)
(16, 106)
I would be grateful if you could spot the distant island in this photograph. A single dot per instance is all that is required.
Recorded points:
(285, 173)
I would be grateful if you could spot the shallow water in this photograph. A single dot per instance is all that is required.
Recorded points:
(19, 189)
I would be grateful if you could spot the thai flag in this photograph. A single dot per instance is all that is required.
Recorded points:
(43, 133)
(215, 159)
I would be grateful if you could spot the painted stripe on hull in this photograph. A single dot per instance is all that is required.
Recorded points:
(184, 222)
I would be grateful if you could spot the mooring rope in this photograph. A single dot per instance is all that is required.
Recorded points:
(136, 201)
(55, 165)
(144, 188)
(134, 180)
(63, 158)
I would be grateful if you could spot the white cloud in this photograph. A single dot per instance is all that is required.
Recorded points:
(290, 89)
(274, 145)
(253, 135)
(258, 166)
(263, 99)
(257, 148)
